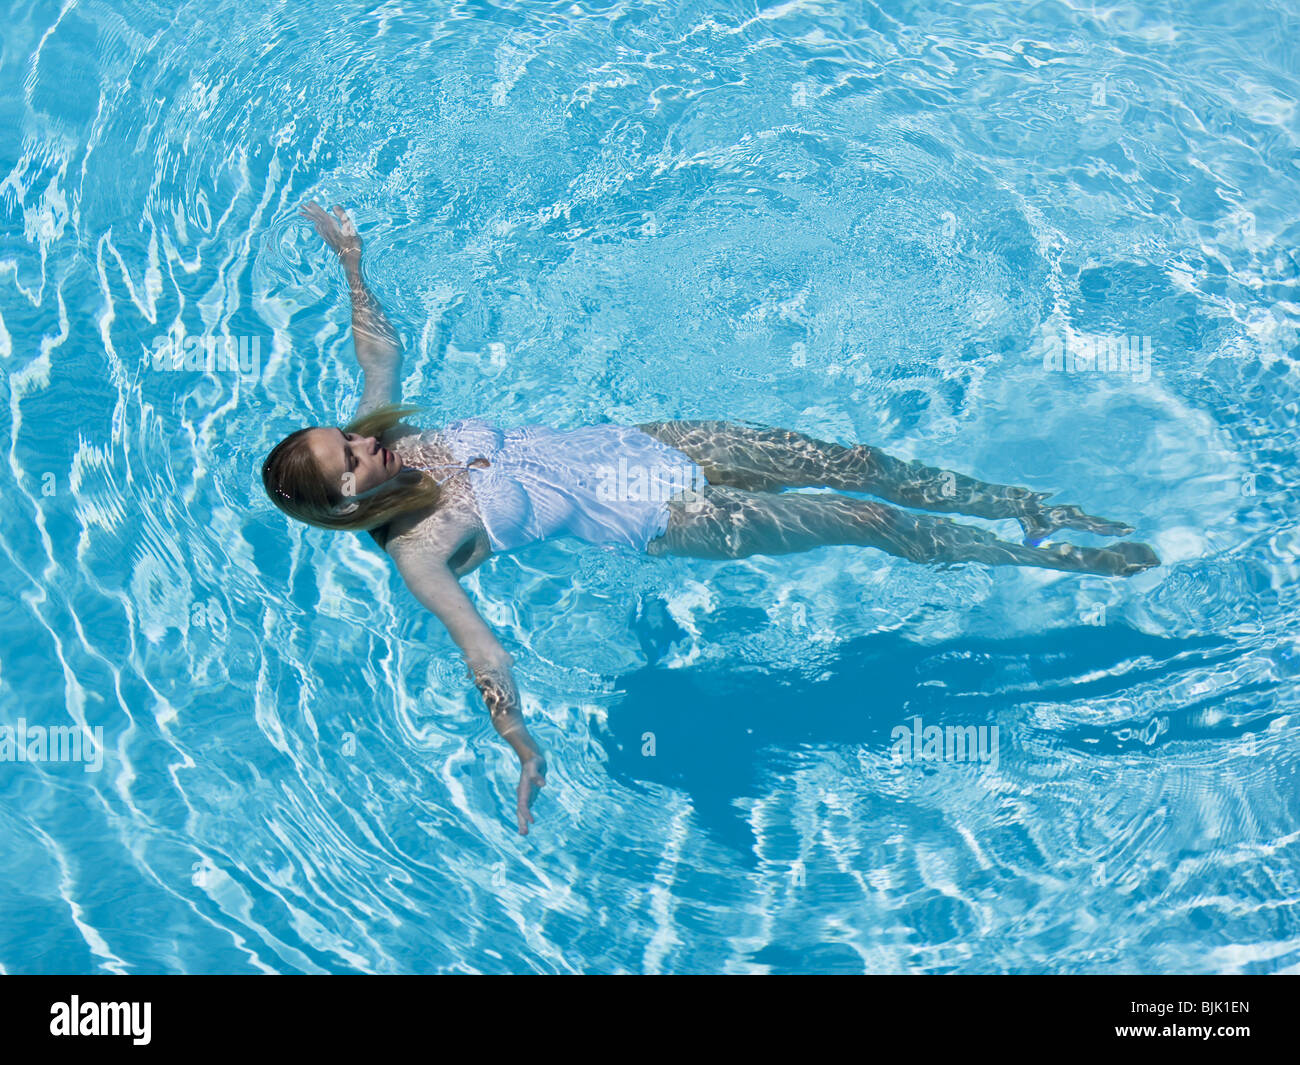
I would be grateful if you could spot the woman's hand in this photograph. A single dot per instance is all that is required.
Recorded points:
(339, 233)
(532, 774)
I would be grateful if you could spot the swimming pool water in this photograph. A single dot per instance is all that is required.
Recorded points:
(866, 222)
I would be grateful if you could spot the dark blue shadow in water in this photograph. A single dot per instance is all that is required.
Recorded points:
(717, 731)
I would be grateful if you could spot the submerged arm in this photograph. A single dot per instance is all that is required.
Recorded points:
(434, 585)
(378, 349)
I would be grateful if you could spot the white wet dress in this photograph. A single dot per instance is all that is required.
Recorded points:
(604, 484)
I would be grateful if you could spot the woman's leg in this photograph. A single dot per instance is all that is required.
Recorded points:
(761, 460)
(727, 522)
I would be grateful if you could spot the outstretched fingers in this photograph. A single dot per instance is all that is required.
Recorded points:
(337, 230)
(311, 209)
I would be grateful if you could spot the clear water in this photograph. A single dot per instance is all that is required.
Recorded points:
(855, 220)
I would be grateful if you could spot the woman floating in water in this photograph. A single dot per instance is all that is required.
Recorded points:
(440, 503)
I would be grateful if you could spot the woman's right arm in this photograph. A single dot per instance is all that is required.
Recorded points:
(379, 351)
(437, 588)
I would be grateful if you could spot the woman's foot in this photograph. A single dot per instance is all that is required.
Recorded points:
(1116, 560)
(1040, 524)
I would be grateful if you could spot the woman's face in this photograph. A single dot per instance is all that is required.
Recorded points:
(353, 464)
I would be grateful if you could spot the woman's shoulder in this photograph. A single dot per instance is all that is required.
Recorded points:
(437, 536)
(405, 430)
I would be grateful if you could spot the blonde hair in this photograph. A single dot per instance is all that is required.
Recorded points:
(293, 480)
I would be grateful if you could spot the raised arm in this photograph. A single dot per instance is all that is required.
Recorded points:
(378, 350)
(434, 585)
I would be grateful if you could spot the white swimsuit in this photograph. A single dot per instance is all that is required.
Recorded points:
(605, 484)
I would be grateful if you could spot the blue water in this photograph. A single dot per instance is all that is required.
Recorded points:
(859, 221)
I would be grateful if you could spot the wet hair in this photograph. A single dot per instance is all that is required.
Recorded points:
(294, 482)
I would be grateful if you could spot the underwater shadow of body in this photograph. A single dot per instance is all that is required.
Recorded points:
(757, 717)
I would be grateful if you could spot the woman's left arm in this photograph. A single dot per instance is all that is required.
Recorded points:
(378, 350)
(437, 588)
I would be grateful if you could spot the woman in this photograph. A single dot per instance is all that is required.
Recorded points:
(440, 503)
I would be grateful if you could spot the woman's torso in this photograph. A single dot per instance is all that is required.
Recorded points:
(503, 489)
